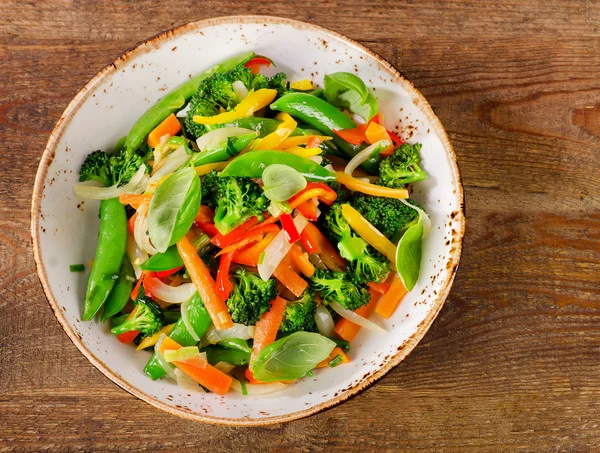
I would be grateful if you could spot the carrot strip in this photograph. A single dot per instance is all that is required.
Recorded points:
(170, 126)
(205, 284)
(290, 278)
(224, 284)
(381, 287)
(267, 327)
(135, 200)
(205, 214)
(253, 235)
(251, 255)
(332, 355)
(301, 261)
(131, 223)
(390, 300)
(347, 330)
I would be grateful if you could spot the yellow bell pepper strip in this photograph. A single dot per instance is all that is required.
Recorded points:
(369, 233)
(253, 102)
(368, 188)
(207, 168)
(300, 140)
(376, 132)
(283, 131)
(302, 85)
(151, 340)
(390, 300)
(303, 152)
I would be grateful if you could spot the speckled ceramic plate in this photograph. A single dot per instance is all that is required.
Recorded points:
(64, 228)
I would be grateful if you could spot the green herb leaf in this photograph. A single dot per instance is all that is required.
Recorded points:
(408, 254)
(346, 90)
(173, 208)
(291, 357)
(281, 182)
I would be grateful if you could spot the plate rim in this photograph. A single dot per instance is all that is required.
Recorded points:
(148, 45)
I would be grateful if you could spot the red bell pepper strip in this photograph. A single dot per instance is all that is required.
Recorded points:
(309, 210)
(254, 235)
(131, 223)
(397, 141)
(291, 232)
(223, 241)
(205, 214)
(319, 190)
(224, 284)
(250, 256)
(255, 64)
(354, 136)
(161, 274)
(381, 287)
(206, 227)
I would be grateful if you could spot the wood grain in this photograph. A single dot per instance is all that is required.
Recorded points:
(511, 364)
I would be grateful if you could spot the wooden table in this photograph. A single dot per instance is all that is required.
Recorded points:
(510, 364)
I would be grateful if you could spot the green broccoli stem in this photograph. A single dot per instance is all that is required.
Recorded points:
(216, 354)
(175, 100)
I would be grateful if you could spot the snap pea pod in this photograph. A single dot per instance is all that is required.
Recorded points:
(236, 343)
(175, 100)
(199, 319)
(216, 354)
(121, 293)
(223, 152)
(170, 259)
(109, 256)
(252, 165)
(324, 117)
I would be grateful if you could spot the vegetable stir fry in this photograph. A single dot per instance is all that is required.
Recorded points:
(251, 225)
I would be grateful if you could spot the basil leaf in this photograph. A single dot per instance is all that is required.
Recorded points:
(408, 254)
(348, 91)
(281, 182)
(173, 208)
(291, 357)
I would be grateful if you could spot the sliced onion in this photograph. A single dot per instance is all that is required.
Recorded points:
(186, 319)
(93, 192)
(171, 294)
(224, 367)
(240, 331)
(240, 89)
(211, 139)
(317, 159)
(170, 164)
(169, 369)
(277, 249)
(184, 381)
(258, 389)
(356, 319)
(369, 151)
(324, 321)
(135, 255)
(183, 113)
(329, 167)
(140, 229)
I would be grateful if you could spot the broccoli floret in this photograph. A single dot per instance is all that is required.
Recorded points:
(402, 167)
(235, 200)
(343, 194)
(217, 92)
(250, 297)
(337, 287)
(279, 82)
(148, 317)
(388, 215)
(366, 264)
(300, 315)
(95, 168)
(113, 169)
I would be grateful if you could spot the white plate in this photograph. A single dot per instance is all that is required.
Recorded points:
(64, 228)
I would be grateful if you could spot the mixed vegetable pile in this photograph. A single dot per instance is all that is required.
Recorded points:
(249, 226)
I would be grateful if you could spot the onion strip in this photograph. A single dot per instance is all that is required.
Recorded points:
(324, 321)
(370, 151)
(140, 229)
(91, 191)
(240, 331)
(356, 319)
(213, 138)
(258, 389)
(169, 369)
(170, 164)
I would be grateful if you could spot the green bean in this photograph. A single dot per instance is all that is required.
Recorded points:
(109, 256)
(175, 100)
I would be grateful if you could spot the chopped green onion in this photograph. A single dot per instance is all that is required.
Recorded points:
(309, 374)
(244, 388)
(338, 359)
(281, 182)
(77, 267)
